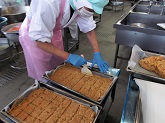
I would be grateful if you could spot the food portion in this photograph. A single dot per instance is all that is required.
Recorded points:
(155, 64)
(93, 87)
(14, 28)
(45, 106)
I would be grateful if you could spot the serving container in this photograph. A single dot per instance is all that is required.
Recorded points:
(19, 99)
(12, 36)
(133, 64)
(58, 85)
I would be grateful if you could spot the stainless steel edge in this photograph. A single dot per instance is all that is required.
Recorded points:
(138, 114)
(61, 92)
(51, 82)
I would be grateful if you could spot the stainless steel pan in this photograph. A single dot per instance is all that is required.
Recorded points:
(12, 36)
(37, 85)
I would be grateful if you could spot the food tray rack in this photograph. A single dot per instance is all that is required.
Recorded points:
(9, 118)
(58, 85)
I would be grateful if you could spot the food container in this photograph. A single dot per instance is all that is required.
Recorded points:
(133, 64)
(112, 80)
(40, 85)
(12, 36)
(14, 13)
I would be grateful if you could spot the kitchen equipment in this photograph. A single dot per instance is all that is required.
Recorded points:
(17, 61)
(4, 49)
(4, 45)
(3, 21)
(12, 36)
(140, 25)
(152, 99)
(86, 71)
(15, 13)
(112, 80)
(37, 85)
(148, 39)
(133, 64)
(162, 25)
(131, 109)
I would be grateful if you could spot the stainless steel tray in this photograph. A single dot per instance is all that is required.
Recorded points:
(136, 55)
(55, 84)
(37, 85)
(12, 36)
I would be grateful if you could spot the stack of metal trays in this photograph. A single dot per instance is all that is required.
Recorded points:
(62, 94)
(55, 84)
(134, 67)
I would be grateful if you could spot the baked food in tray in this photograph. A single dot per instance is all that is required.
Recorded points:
(45, 106)
(155, 64)
(93, 87)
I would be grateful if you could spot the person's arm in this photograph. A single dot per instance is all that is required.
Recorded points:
(91, 35)
(74, 59)
(48, 47)
(97, 58)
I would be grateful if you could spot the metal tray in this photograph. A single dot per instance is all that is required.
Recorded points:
(135, 57)
(55, 84)
(37, 85)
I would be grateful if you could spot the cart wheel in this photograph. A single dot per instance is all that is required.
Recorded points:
(77, 46)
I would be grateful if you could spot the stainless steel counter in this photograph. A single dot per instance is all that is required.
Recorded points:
(132, 112)
(131, 99)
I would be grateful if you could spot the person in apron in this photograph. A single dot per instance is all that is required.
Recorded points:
(40, 34)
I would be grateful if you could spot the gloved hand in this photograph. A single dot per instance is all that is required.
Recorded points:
(97, 59)
(76, 60)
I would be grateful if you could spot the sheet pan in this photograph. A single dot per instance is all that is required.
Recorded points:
(55, 84)
(133, 63)
(37, 85)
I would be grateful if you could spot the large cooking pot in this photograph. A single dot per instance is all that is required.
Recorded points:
(14, 14)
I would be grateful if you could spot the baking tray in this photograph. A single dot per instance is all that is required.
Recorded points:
(55, 84)
(133, 64)
(37, 85)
